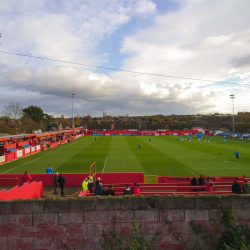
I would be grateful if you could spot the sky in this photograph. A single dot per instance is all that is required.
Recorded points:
(195, 39)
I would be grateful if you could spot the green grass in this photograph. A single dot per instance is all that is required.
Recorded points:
(121, 154)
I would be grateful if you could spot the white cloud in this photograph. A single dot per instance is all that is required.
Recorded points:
(71, 33)
(202, 39)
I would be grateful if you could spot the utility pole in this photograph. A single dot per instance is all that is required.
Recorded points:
(73, 96)
(232, 97)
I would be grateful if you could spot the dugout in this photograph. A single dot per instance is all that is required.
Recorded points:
(15, 142)
(15, 146)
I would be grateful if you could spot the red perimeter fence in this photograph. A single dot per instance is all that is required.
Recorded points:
(9, 181)
(75, 180)
(166, 185)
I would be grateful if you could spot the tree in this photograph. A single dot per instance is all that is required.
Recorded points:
(4, 128)
(77, 121)
(35, 113)
(46, 118)
(14, 111)
(28, 125)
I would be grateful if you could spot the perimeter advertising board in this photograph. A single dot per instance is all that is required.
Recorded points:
(19, 153)
(27, 150)
(2, 158)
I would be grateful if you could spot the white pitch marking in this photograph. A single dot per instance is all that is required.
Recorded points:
(190, 171)
(37, 158)
(104, 165)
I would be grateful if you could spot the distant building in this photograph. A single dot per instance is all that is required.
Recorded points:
(54, 126)
(13, 123)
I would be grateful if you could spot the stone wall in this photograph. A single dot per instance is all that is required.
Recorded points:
(77, 223)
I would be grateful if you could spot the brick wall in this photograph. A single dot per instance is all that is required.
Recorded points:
(78, 223)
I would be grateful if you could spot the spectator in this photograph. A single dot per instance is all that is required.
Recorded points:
(89, 177)
(61, 181)
(99, 190)
(56, 182)
(98, 181)
(110, 191)
(26, 177)
(245, 187)
(201, 181)
(236, 188)
(194, 183)
(91, 185)
(135, 189)
(127, 190)
(49, 169)
(209, 185)
(85, 184)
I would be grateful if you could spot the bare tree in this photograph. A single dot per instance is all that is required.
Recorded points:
(14, 110)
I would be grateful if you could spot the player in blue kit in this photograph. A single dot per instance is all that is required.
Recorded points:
(149, 139)
(236, 154)
(185, 138)
(139, 145)
(95, 139)
(208, 139)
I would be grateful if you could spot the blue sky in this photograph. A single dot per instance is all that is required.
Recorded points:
(206, 39)
(112, 44)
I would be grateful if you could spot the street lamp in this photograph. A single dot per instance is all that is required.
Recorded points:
(232, 97)
(73, 96)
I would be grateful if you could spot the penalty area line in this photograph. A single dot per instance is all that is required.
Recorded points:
(191, 172)
(37, 158)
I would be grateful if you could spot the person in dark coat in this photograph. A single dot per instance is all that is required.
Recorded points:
(56, 182)
(61, 181)
(91, 185)
(99, 190)
(110, 191)
(236, 188)
(194, 183)
(245, 187)
(201, 181)
(127, 190)
(98, 181)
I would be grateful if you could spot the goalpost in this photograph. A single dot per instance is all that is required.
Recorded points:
(92, 171)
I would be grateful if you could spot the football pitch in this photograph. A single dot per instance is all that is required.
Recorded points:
(164, 155)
